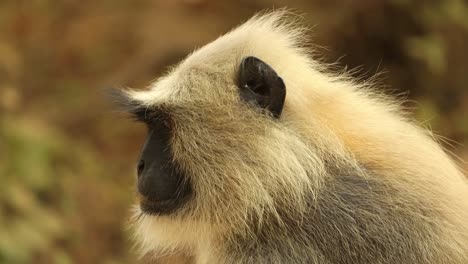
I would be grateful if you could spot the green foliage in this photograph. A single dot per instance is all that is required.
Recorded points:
(30, 222)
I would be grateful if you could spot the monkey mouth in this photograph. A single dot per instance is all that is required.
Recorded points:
(162, 207)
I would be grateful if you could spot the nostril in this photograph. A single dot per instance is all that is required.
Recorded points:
(140, 167)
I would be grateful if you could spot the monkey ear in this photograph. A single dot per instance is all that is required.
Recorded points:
(259, 84)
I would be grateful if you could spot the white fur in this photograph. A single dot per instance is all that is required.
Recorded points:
(332, 112)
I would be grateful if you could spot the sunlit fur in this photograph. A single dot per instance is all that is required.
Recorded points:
(341, 177)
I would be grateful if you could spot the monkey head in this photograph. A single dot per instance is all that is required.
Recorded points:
(221, 134)
(255, 153)
(165, 181)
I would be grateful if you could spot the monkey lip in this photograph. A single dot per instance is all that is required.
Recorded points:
(161, 207)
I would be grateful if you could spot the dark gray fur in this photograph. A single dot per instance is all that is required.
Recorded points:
(355, 219)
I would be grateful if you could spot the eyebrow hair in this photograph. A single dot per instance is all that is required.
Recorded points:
(124, 103)
(137, 110)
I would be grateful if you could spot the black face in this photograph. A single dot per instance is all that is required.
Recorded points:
(162, 185)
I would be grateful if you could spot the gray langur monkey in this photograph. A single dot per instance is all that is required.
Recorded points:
(257, 154)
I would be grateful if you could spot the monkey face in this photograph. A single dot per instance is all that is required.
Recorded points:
(161, 184)
(196, 140)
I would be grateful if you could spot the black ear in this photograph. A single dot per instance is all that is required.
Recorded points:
(259, 84)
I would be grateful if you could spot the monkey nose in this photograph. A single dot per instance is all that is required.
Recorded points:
(140, 167)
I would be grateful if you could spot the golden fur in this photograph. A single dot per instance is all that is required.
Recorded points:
(341, 177)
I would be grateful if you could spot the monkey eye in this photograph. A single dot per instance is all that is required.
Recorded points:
(142, 114)
(156, 119)
(167, 123)
(152, 117)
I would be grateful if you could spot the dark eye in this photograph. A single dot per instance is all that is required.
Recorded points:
(140, 114)
(154, 118)
(167, 122)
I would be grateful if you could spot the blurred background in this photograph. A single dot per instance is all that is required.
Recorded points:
(67, 161)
